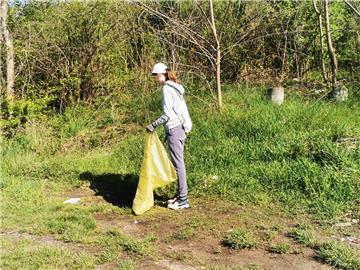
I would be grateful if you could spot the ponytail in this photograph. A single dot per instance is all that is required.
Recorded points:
(170, 75)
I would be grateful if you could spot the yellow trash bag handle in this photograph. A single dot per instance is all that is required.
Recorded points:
(156, 171)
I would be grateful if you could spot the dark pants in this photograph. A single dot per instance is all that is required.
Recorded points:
(176, 139)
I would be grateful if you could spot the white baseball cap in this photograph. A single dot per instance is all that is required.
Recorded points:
(159, 68)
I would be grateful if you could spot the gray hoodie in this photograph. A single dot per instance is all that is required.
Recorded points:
(175, 111)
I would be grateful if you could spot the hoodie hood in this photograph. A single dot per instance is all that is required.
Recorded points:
(178, 87)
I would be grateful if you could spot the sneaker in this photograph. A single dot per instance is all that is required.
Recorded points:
(172, 200)
(179, 204)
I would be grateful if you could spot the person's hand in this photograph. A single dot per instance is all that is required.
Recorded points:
(150, 128)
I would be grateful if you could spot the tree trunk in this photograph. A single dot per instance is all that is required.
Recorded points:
(1, 61)
(323, 69)
(331, 50)
(218, 76)
(10, 66)
(218, 56)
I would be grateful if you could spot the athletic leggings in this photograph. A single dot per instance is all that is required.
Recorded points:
(176, 139)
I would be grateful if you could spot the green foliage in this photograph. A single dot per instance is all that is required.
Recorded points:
(339, 256)
(240, 239)
(72, 52)
(73, 224)
(302, 153)
(126, 265)
(16, 113)
(113, 241)
(24, 202)
(303, 235)
(184, 233)
(280, 248)
(46, 257)
(138, 247)
(295, 149)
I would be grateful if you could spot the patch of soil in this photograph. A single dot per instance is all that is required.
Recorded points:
(127, 224)
(208, 253)
(209, 220)
(49, 240)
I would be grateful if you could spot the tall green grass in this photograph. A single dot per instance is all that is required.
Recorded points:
(305, 153)
(294, 151)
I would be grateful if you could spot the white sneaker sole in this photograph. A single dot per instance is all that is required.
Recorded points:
(170, 201)
(178, 207)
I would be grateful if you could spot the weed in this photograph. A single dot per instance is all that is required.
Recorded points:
(184, 233)
(126, 265)
(303, 236)
(240, 239)
(138, 247)
(270, 235)
(280, 248)
(114, 241)
(339, 256)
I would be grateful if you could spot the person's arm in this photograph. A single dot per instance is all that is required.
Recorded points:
(168, 103)
(161, 120)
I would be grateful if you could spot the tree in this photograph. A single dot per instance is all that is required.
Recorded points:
(331, 50)
(187, 30)
(319, 17)
(201, 32)
(218, 54)
(10, 66)
(1, 64)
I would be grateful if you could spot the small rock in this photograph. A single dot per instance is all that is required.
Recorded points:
(72, 201)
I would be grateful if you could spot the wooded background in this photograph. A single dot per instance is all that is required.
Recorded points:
(69, 52)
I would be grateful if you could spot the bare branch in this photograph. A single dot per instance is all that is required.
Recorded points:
(175, 22)
(204, 14)
(223, 20)
(354, 9)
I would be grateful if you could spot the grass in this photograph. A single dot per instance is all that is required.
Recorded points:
(45, 257)
(339, 256)
(303, 235)
(126, 265)
(72, 224)
(184, 233)
(113, 241)
(303, 155)
(280, 248)
(293, 153)
(240, 239)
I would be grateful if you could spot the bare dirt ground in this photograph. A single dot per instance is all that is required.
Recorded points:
(192, 238)
(208, 221)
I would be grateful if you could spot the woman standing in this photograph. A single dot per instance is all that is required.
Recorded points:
(177, 123)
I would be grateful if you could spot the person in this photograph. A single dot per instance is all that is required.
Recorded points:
(177, 123)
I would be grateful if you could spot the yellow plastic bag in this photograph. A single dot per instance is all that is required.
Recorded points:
(156, 171)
